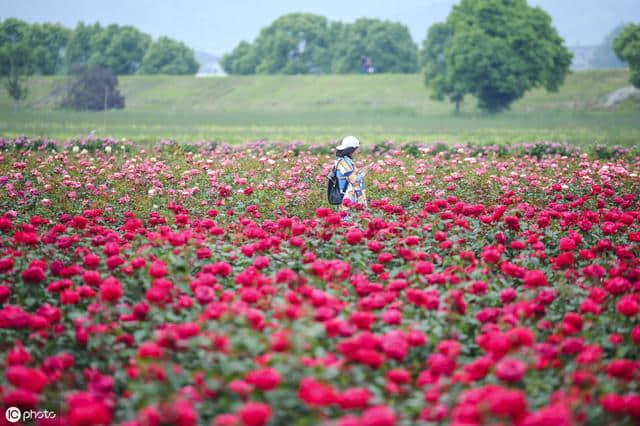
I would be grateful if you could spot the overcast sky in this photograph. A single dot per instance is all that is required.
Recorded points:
(216, 26)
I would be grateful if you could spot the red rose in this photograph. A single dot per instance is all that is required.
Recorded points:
(316, 393)
(510, 370)
(399, 375)
(490, 254)
(534, 278)
(265, 379)
(507, 295)
(478, 368)
(84, 409)
(6, 264)
(33, 274)
(20, 398)
(354, 236)
(632, 404)
(567, 244)
(621, 369)
(26, 378)
(510, 403)
(91, 261)
(158, 269)
(91, 278)
(378, 416)
(255, 413)
(628, 305)
(354, 398)
(612, 403)
(114, 261)
(226, 420)
(556, 415)
(13, 317)
(440, 364)
(110, 290)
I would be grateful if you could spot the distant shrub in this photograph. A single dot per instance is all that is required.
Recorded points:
(93, 88)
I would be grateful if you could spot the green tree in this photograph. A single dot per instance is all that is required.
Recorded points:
(119, 48)
(47, 43)
(388, 44)
(297, 43)
(434, 64)
(168, 56)
(627, 47)
(80, 48)
(604, 57)
(16, 58)
(242, 60)
(498, 50)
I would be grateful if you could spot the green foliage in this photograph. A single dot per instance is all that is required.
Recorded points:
(39, 44)
(627, 47)
(242, 60)
(303, 43)
(92, 87)
(16, 59)
(126, 50)
(80, 48)
(50, 49)
(604, 57)
(47, 41)
(120, 49)
(388, 44)
(497, 50)
(297, 43)
(167, 56)
(435, 65)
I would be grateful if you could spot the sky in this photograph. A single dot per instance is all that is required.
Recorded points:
(216, 26)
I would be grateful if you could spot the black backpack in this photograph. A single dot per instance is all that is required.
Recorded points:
(334, 194)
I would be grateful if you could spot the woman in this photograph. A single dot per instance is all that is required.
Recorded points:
(351, 182)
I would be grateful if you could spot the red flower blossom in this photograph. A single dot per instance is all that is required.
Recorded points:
(265, 379)
(510, 370)
(110, 290)
(254, 413)
(315, 393)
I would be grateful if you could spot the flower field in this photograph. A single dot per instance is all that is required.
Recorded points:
(175, 284)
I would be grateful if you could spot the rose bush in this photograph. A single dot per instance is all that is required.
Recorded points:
(210, 284)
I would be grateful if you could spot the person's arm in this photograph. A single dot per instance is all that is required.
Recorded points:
(364, 170)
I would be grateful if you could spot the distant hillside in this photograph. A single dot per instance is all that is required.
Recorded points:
(209, 64)
(396, 93)
(324, 107)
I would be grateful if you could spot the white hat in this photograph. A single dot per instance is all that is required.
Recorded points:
(349, 142)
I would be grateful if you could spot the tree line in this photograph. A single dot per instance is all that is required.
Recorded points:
(305, 43)
(92, 55)
(494, 50)
(49, 49)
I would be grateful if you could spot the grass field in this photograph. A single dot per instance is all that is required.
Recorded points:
(321, 108)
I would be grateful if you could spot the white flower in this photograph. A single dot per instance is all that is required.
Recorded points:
(107, 149)
(152, 192)
(75, 148)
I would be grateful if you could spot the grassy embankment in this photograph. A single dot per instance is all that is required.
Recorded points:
(321, 108)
